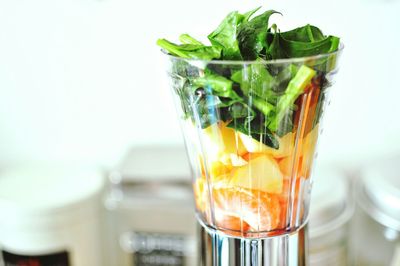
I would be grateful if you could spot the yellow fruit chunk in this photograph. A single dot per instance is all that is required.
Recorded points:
(286, 165)
(261, 173)
(308, 152)
(310, 141)
(218, 169)
(220, 140)
(200, 194)
(232, 159)
(253, 146)
(305, 157)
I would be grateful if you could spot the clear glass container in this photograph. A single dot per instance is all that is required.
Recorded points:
(252, 149)
(330, 216)
(376, 225)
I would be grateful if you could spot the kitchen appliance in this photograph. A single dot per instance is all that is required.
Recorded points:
(252, 197)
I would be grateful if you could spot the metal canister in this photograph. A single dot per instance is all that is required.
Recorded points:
(150, 209)
(376, 228)
(330, 213)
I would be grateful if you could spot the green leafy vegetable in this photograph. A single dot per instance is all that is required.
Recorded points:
(263, 106)
(256, 98)
(254, 79)
(284, 77)
(252, 35)
(295, 89)
(247, 15)
(218, 84)
(195, 51)
(275, 49)
(225, 36)
(307, 41)
(187, 39)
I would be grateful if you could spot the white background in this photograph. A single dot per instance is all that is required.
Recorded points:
(84, 81)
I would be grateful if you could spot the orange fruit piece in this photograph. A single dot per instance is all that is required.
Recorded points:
(260, 210)
(284, 203)
(228, 222)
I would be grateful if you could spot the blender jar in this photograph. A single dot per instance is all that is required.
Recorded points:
(251, 148)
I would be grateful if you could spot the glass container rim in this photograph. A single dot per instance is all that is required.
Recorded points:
(253, 62)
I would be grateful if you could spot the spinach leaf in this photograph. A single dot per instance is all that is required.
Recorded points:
(241, 110)
(302, 49)
(247, 15)
(208, 110)
(225, 36)
(307, 41)
(295, 87)
(307, 33)
(274, 50)
(254, 80)
(284, 77)
(286, 124)
(257, 99)
(187, 39)
(252, 35)
(262, 105)
(195, 51)
(217, 85)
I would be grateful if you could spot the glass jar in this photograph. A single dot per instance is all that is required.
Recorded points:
(330, 213)
(150, 209)
(376, 227)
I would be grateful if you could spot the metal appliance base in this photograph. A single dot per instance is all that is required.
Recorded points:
(218, 249)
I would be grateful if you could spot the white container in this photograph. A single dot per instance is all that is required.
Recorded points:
(330, 213)
(150, 209)
(49, 215)
(376, 227)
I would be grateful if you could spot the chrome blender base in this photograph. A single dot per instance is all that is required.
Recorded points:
(218, 249)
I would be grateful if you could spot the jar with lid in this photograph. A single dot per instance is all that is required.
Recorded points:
(330, 212)
(150, 214)
(376, 226)
(50, 215)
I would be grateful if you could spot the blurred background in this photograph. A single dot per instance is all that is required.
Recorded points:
(82, 82)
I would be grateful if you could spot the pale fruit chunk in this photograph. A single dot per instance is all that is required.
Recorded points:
(305, 156)
(308, 152)
(310, 142)
(200, 194)
(286, 165)
(232, 159)
(254, 146)
(261, 173)
(218, 170)
(224, 139)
